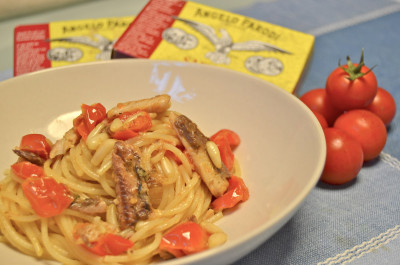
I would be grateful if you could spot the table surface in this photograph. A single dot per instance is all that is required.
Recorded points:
(358, 223)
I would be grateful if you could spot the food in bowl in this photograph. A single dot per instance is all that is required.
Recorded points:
(135, 184)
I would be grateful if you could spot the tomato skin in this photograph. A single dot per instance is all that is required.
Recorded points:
(93, 114)
(184, 239)
(317, 100)
(36, 143)
(233, 137)
(344, 157)
(346, 94)
(110, 244)
(90, 117)
(321, 119)
(27, 169)
(366, 128)
(140, 124)
(47, 197)
(237, 192)
(227, 156)
(383, 105)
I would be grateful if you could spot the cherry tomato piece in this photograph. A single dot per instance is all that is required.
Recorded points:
(47, 197)
(227, 156)
(233, 137)
(184, 239)
(344, 157)
(93, 114)
(237, 192)
(36, 143)
(141, 123)
(317, 100)
(26, 169)
(351, 86)
(90, 117)
(383, 105)
(110, 244)
(366, 128)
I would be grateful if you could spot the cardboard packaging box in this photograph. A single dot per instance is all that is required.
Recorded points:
(192, 32)
(61, 43)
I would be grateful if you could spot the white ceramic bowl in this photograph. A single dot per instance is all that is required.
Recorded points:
(282, 153)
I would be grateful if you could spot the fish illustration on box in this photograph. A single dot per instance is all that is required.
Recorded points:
(191, 32)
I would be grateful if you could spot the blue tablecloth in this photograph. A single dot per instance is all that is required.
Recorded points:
(358, 223)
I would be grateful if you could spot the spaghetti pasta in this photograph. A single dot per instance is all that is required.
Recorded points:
(131, 181)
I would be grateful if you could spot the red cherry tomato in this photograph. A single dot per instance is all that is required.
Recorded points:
(237, 192)
(93, 114)
(321, 119)
(109, 244)
(344, 157)
(366, 128)
(318, 101)
(227, 156)
(36, 143)
(26, 169)
(141, 123)
(233, 137)
(351, 86)
(383, 106)
(90, 117)
(183, 239)
(47, 197)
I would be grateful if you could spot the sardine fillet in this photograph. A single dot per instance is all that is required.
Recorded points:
(133, 201)
(194, 142)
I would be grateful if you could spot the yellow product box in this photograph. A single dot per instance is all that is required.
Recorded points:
(192, 32)
(61, 43)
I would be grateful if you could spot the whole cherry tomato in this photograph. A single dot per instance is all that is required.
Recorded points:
(318, 101)
(344, 157)
(351, 86)
(383, 106)
(321, 119)
(366, 128)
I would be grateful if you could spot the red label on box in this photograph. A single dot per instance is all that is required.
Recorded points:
(156, 16)
(30, 48)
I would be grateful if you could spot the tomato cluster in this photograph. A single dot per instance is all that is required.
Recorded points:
(354, 113)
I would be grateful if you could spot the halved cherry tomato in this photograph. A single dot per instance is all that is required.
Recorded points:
(47, 197)
(90, 117)
(183, 239)
(227, 156)
(27, 169)
(36, 143)
(233, 137)
(237, 192)
(109, 244)
(141, 123)
(383, 105)
(351, 86)
(366, 128)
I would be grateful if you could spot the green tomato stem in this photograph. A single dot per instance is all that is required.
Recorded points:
(355, 71)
